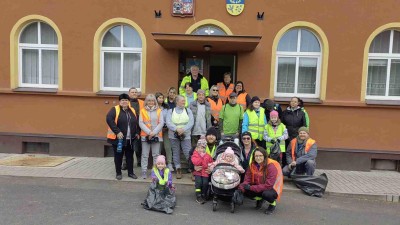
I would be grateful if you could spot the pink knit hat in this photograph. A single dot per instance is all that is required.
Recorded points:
(273, 113)
(160, 159)
(202, 142)
(229, 151)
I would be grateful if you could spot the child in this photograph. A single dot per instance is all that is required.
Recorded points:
(227, 157)
(161, 175)
(275, 131)
(201, 158)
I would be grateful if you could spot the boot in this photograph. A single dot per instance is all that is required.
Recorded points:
(178, 173)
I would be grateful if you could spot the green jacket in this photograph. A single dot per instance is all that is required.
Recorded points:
(188, 78)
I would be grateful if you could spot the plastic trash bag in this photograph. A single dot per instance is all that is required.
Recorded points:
(311, 185)
(238, 197)
(275, 152)
(160, 199)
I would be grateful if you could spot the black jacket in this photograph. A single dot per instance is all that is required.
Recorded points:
(293, 120)
(124, 118)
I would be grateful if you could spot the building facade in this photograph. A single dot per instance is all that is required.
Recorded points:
(63, 63)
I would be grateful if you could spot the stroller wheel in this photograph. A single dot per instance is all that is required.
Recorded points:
(232, 207)
(214, 207)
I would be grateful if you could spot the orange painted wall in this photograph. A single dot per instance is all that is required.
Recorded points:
(342, 121)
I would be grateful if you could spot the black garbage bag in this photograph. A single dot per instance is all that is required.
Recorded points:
(275, 152)
(238, 197)
(311, 185)
(161, 199)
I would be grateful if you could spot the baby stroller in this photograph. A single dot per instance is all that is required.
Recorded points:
(225, 178)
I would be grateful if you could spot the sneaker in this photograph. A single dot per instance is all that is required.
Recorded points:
(200, 200)
(118, 177)
(132, 175)
(144, 174)
(259, 204)
(171, 168)
(270, 209)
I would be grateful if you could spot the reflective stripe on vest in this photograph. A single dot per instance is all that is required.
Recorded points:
(212, 152)
(110, 133)
(180, 120)
(272, 134)
(147, 121)
(186, 98)
(278, 185)
(224, 93)
(241, 100)
(293, 143)
(215, 108)
(161, 181)
(256, 123)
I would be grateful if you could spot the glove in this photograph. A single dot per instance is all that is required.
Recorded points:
(272, 141)
(247, 187)
(278, 140)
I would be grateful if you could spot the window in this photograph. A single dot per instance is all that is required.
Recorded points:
(383, 82)
(209, 30)
(38, 56)
(121, 59)
(298, 65)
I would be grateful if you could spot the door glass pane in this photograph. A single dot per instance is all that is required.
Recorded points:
(396, 41)
(49, 36)
(30, 66)
(112, 69)
(380, 44)
(286, 75)
(132, 74)
(376, 82)
(394, 81)
(112, 37)
(288, 42)
(49, 67)
(307, 75)
(309, 42)
(30, 34)
(131, 38)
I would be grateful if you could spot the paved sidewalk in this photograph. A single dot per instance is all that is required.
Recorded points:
(381, 185)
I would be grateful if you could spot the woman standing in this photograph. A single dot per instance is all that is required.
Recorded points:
(243, 98)
(216, 105)
(122, 131)
(166, 146)
(254, 121)
(151, 121)
(263, 180)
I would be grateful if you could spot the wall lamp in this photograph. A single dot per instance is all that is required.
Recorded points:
(207, 48)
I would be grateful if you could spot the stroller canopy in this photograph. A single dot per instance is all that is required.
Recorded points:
(236, 149)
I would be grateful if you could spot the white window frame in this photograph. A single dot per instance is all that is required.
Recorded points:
(120, 50)
(386, 56)
(298, 55)
(40, 47)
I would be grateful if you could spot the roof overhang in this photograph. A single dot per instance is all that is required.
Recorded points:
(218, 43)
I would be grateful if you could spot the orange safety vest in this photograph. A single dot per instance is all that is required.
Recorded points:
(293, 143)
(224, 93)
(241, 100)
(215, 108)
(147, 121)
(278, 185)
(110, 133)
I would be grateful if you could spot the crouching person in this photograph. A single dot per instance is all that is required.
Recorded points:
(302, 152)
(161, 194)
(263, 180)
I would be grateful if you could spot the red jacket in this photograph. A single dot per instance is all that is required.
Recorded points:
(255, 179)
(197, 160)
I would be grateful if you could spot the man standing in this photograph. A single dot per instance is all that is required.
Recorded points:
(231, 117)
(201, 110)
(225, 88)
(197, 80)
(180, 123)
(122, 125)
(137, 104)
(301, 154)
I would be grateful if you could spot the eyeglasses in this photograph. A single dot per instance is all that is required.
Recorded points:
(246, 138)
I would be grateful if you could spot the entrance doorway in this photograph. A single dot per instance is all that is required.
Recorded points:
(212, 66)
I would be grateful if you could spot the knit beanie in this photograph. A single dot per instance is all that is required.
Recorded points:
(273, 114)
(269, 105)
(123, 96)
(304, 129)
(160, 159)
(212, 131)
(229, 151)
(202, 143)
(255, 98)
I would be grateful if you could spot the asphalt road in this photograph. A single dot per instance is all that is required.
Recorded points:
(43, 201)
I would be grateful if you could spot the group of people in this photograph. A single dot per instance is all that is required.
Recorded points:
(193, 122)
